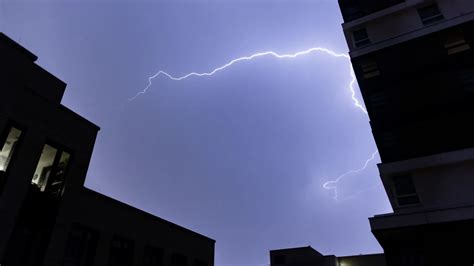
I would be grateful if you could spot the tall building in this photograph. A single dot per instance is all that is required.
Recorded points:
(47, 216)
(414, 63)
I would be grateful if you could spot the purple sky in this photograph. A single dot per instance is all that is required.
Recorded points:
(241, 156)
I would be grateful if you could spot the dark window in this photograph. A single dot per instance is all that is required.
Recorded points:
(81, 246)
(121, 252)
(8, 145)
(51, 170)
(430, 14)
(179, 260)
(405, 190)
(152, 256)
(279, 259)
(361, 37)
(198, 262)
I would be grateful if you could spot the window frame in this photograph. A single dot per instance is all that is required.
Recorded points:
(3, 138)
(398, 196)
(362, 42)
(60, 149)
(432, 19)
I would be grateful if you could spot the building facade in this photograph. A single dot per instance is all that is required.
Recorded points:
(414, 62)
(47, 215)
(308, 256)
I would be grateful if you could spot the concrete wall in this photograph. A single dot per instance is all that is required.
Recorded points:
(441, 181)
(402, 19)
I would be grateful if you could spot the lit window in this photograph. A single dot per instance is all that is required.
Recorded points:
(430, 14)
(152, 256)
(405, 190)
(51, 170)
(8, 148)
(361, 37)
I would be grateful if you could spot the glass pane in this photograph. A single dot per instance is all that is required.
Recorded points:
(404, 185)
(44, 168)
(56, 181)
(8, 147)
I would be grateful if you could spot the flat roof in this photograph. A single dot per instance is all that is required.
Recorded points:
(147, 214)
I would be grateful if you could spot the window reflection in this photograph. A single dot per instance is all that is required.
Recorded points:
(8, 148)
(50, 171)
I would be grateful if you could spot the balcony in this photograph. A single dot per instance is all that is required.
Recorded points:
(354, 9)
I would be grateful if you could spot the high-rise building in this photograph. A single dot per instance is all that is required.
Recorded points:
(47, 216)
(414, 62)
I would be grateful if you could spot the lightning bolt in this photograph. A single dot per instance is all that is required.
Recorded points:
(333, 183)
(328, 185)
(254, 56)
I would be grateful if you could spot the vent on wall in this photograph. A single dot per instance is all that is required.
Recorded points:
(370, 69)
(454, 42)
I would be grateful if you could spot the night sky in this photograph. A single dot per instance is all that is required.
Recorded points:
(240, 156)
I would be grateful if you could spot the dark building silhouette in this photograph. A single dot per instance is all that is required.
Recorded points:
(414, 63)
(47, 216)
(307, 256)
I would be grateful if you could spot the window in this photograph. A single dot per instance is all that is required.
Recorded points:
(51, 170)
(9, 144)
(279, 259)
(121, 252)
(361, 37)
(152, 256)
(81, 246)
(430, 14)
(8, 147)
(405, 190)
(178, 260)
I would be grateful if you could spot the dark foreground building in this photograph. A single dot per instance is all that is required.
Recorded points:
(307, 256)
(414, 62)
(47, 216)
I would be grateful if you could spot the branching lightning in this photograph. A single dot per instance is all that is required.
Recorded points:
(331, 185)
(254, 56)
